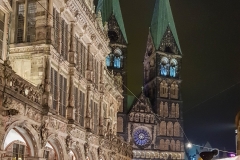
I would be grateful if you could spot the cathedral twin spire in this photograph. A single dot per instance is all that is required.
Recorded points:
(162, 19)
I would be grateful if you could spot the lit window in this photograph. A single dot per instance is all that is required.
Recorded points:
(18, 151)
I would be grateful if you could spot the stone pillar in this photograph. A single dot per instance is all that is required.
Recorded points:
(41, 20)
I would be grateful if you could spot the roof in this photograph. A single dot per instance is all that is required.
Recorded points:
(162, 18)
(109, 7)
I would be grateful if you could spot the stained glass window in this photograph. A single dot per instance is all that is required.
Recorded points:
(141, 137)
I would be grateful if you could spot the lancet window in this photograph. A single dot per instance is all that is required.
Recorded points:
(164, 66)
(56, 29)
(161, 109)
(173, 111)
(79, 106)
(165, 110)
(63, 95)
(173, 68)
(64, 41)
(172, 145)
(95, 118)
(174, 90)
(164, 89)
(81, 52)
(177, 110)
(177, 145)
(162, 144)
(118, 58)
(2, 23)
(167, 143)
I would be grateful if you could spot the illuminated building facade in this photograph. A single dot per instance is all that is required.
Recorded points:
(155, 119)
(58, 99)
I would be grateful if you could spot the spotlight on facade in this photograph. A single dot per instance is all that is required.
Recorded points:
(189, 145)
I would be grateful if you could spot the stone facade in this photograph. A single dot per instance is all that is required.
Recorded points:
(57, 98)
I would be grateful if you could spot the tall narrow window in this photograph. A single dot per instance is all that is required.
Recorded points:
(96, 73)
(81, 110)
(76, 100)
(31, 21)
(56, 28)
(64, 44)
(95, 118)
(20, 22)
(63, 96)
(18, 151)
(54, 88)
(83, 56)
(108, 61)
(2, 20)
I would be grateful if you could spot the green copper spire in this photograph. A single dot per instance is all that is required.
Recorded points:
(109, 7)
(162, 18)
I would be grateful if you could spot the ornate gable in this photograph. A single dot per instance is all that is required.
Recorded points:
(142, 111)
(168, 43)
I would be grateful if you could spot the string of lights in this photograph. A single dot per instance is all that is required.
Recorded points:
(212, 97)
(157, 116)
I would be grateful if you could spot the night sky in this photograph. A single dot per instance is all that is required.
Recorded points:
(209, 35)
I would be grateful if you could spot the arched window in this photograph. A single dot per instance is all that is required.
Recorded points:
(173, 68)
(165, 108)
(173, 110)
(176, 129)
(162, 144)
(118, 58)
(169, 129)
(108, 61)
(174, 90)
(164, 89)
(163, 128)
(164, 66)
(177, 110)
(167, 143)
(177, 145)
(172, 145)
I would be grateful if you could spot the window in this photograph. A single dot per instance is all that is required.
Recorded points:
(108, 61)
(56, 28)
(118, 58)
(64, 42)
(173, 68)
(63, 96)
(164, 67)
(46, 154)
(18, 151)
(95, 118)
(54, 88)
(2, 20)
(81, 110)
(81, 52)
(96, 71)
(76, 100)
(29, 19)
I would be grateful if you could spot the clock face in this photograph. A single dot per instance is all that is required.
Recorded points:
(141, 137)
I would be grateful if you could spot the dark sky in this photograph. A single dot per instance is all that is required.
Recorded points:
(209, 35)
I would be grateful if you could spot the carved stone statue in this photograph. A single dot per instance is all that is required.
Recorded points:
(118, 79)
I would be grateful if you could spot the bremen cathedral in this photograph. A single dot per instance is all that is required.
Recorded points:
(63, 84)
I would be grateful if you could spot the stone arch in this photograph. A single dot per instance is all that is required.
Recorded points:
(27, 132)
(172, 145)
(173, 110)
(167, 143)
(161, 109)
(162, 144)
(77, 151)
(58, 146)
(165, 109)
(178, 145)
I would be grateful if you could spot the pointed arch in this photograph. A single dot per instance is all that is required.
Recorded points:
(169, 129)
(163, 128)
(176, 129)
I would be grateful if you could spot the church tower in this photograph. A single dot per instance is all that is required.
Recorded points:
(155, 119)
(116, 60)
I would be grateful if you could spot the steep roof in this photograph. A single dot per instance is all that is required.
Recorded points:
(162, 18)
(109, 7)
